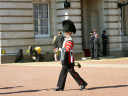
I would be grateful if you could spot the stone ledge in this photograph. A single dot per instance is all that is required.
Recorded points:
(10, 58)
(118, 53)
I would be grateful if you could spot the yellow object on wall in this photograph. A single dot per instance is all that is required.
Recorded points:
(3, 51)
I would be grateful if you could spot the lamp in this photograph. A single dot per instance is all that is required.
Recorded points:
(66, 4)
(119, 5)
(122, 4)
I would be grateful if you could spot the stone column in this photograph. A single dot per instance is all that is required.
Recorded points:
(126, 15)
(112, 22)
(73, 13)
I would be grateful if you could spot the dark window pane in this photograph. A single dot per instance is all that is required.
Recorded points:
(45, 22)
(41, 22)
(36, 22)
(45, 15)
(36, 33)
(45, 10)
(40, 14)
(35, 6)
(45, 31)
(36, 29)
(41, 30)
(40, 7)
(35, 14)
(45, 6)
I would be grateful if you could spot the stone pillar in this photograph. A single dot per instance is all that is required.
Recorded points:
(125, 23)
(85, 25)
(0, 44)
(112, 22)
(73, 13)
(126, 19)
(0, 51)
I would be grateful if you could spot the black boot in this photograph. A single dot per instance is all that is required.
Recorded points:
(83, 86)
(58, 89)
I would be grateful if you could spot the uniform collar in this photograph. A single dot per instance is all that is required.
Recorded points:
(68, 38)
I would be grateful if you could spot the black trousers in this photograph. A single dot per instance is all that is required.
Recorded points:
(92, 53)
(104, 49)
(96, 53)
(63, 74)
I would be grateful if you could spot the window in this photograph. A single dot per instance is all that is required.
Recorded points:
(41, 20)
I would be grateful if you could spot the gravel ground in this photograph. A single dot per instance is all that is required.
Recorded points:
(106, 77)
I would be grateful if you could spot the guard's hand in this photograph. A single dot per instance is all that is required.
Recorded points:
(77, 64)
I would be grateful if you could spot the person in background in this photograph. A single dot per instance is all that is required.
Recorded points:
(19, 57)
(96, 47)
(91, 45)
(104, 42)
(59, 42)
(55, 48)
(94, 33)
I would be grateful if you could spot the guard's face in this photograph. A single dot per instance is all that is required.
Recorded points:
(65, 34)
(68, 34)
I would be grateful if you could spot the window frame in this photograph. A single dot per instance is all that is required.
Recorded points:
(41, 35)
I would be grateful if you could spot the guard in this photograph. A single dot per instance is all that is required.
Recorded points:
(67, 58)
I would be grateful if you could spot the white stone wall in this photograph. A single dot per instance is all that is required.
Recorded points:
(17, 30)
(17, 25)
(16, 19)
(112, 22)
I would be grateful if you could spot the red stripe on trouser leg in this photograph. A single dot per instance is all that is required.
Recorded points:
(69, 58)
(76, 76)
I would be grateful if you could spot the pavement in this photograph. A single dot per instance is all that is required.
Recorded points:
(105, 77)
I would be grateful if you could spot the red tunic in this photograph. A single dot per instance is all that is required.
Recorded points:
(68, 45)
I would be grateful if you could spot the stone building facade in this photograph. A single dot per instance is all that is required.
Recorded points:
(36, 22)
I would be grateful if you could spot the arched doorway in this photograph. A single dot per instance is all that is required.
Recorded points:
(95, 21)
(92, 18)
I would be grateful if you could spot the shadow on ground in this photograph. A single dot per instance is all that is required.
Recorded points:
(24, 91)
(29, 91)
(102, 87)
(11, 87)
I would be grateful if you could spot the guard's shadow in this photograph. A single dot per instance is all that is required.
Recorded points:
(105, 87)
(27, 91)
(102, 87)
(11, 87)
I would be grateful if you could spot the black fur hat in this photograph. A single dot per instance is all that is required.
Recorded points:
(68, 26)
(104, 31)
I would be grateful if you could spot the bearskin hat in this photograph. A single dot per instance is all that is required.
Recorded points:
(68, 26)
